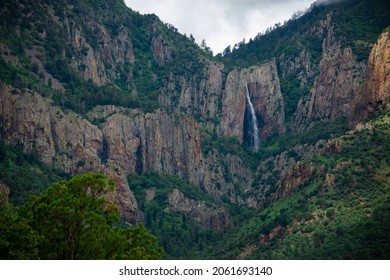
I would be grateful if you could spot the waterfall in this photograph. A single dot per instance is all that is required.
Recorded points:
(255, 131)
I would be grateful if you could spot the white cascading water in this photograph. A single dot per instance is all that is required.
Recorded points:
(255, 130)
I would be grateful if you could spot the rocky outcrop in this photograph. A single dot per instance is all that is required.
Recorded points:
(205, 216)
(25, 121)
(221, 104)
(161, 52)
(275, 175)
(199, 97)
(156, 142)
(233, 106)
(295, 177)
(35, 54)
(119, 141)
(127, 141)
(171, 145)
(300, 66)
(227, 177)
(65, 140)
(267, 99)
(338, 82)
(102, 60)
(375, 93)
(264, 89)
(275, 232)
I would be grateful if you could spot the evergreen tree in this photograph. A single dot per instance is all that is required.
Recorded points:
(72, 220)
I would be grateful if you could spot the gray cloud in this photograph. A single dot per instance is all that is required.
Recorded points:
(327, 2)
(221, 22)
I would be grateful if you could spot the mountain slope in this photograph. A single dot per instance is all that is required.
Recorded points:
(321, 58)
(340, 211)
(95, 86)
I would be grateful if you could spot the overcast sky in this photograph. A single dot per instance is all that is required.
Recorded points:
(220, 22)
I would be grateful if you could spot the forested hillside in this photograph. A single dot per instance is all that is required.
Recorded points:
(275, 149)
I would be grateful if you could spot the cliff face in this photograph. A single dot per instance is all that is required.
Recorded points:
(375, 92)
(337, 84)
(378, 82)
(338, 81)
(126, 142)
(139, 57)
(99, 63)
(206, 217)
(65, 140)
(264, 90)
(295, 177)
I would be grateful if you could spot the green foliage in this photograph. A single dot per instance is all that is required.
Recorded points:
(139, 244)
(132, 85)
(80, 95)
(293, 90)
(164, 184)
(8, 72)
(289, 39)
(319, 131)
(86, 96)
(25, 174)
(229, 145)
(358, 23)
(324, 130)
(274, 146)
(18, 76)
(17, 239)
(69, 216)
(178, 234)
(72, 220)
(347, 219)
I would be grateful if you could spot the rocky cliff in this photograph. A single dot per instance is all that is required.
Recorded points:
(124, 95)
(63, 139)
(205, 216)
(125, 142)
(375, 92)
(267, 99)
(337, 81)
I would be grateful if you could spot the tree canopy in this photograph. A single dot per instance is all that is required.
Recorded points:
(72, 220)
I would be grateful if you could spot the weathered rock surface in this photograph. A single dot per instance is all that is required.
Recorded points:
(64, 139)
(205, 216)
(277, 176)
(295, 177)
(99, 63)
(126, 142)
(264, 89)
(375, 93)
(119, 141)
(337, 83)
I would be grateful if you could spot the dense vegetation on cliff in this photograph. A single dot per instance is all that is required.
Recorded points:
(340, 213)
(356, 23)
(28, 24)
(26, 173)
(94, 86)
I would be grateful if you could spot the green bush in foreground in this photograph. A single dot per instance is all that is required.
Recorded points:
(72, 220)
